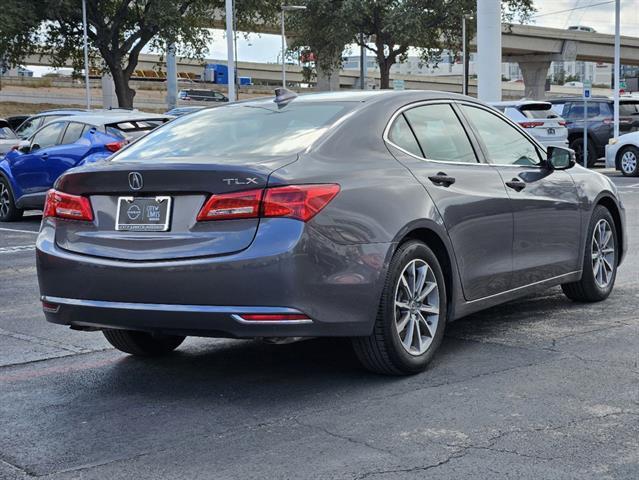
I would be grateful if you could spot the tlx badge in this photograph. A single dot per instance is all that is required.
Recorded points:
(239, 181)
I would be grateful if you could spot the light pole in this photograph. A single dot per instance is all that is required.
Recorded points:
(86, 54)
(230, 51)
(617, 66)
(465, 54)
(286, 8)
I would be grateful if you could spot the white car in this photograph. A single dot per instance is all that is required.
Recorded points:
(624, 154)
(8, 139)
(539, 119)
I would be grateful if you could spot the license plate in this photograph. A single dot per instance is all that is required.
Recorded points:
(551, 131)
(143, 214)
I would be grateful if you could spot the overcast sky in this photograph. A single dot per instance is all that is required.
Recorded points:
(265, 48)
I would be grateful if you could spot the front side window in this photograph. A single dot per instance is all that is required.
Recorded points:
(440, 134)
(230, 134)
(505, 144)
(48, 136)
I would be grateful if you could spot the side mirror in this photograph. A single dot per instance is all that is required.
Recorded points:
(24, 146)
(560, 158)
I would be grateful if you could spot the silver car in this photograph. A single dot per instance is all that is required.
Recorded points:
(538, 119)
(8, 139)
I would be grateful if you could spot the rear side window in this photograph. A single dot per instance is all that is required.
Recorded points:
(440, 134)
(594, 110)
(402, 136)
(238, 130)
(628, 109)
(72, 133)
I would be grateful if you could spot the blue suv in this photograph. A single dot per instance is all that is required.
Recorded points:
(29, 170)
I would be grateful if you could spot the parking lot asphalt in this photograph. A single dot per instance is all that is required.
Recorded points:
(539, 388)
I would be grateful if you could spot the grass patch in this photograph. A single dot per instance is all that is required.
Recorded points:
(8, 109)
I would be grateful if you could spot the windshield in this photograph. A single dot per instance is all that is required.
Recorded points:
(244, 129)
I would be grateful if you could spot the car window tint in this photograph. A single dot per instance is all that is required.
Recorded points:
(401, 135)
(594, 110)
(628, 109)
(440, 134)
(505, 145)
(48, 136)
(72, 133)
(226, 134)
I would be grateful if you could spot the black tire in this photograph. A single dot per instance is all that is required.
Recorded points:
(588, 289)
(8, 210)
(577, 144)
(142, 343)
(383, 351)
(629, 166)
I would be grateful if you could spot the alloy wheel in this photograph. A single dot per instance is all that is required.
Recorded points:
(416, 307)
(603, 253)
(629, 162)
(5, 200)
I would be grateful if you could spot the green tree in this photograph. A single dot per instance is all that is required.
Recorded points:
(118, 30)
(392, 27)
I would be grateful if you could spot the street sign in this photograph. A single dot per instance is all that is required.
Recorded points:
(587, 89)
(398, 84)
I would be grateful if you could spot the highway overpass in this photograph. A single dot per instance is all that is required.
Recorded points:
(532, 47)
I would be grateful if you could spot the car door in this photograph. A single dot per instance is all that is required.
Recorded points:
(67, 154)
(545, 203)
(30, 168)
(430, 140)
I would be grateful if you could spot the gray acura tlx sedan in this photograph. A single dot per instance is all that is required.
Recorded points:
(379, 216)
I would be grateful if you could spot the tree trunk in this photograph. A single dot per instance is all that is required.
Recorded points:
(384, 73)
(124, 93)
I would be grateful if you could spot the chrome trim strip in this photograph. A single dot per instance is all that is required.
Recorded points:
(169, 307)
(239, 319)
(547, 280)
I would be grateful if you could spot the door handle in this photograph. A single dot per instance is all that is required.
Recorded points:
(516, 184)
(44, 156)
(442, 180)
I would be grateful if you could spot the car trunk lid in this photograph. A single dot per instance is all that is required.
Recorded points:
(118, 186)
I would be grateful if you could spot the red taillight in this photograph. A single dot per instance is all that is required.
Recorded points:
(274, 317)
(301, 202)
(115, 146)
(611, 121)
(562, 124)
(229, 206)
(531, 124)
(64, 205)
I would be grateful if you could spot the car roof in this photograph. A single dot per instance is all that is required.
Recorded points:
(108, 118)
(520, 103)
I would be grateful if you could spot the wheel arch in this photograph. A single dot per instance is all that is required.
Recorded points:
(436, 238)
(611, 205)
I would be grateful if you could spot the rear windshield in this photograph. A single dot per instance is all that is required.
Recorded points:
(538, 111)
(133, 129)
(249, 129)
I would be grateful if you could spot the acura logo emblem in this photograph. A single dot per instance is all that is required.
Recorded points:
(135, 181)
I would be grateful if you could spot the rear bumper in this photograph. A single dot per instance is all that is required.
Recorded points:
(289, 268)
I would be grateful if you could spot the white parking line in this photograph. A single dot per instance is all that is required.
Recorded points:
(17, 248)
(18, 230)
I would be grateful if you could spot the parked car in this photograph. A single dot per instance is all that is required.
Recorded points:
(202, 95)
(179, 111)
(16, 120)
(538, 119)
(8, 139)
(31, 124)
(288, 219)
(599, 122)
(623, 155)
(27, 172)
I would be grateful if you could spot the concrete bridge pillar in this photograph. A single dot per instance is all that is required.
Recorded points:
(535, 74)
